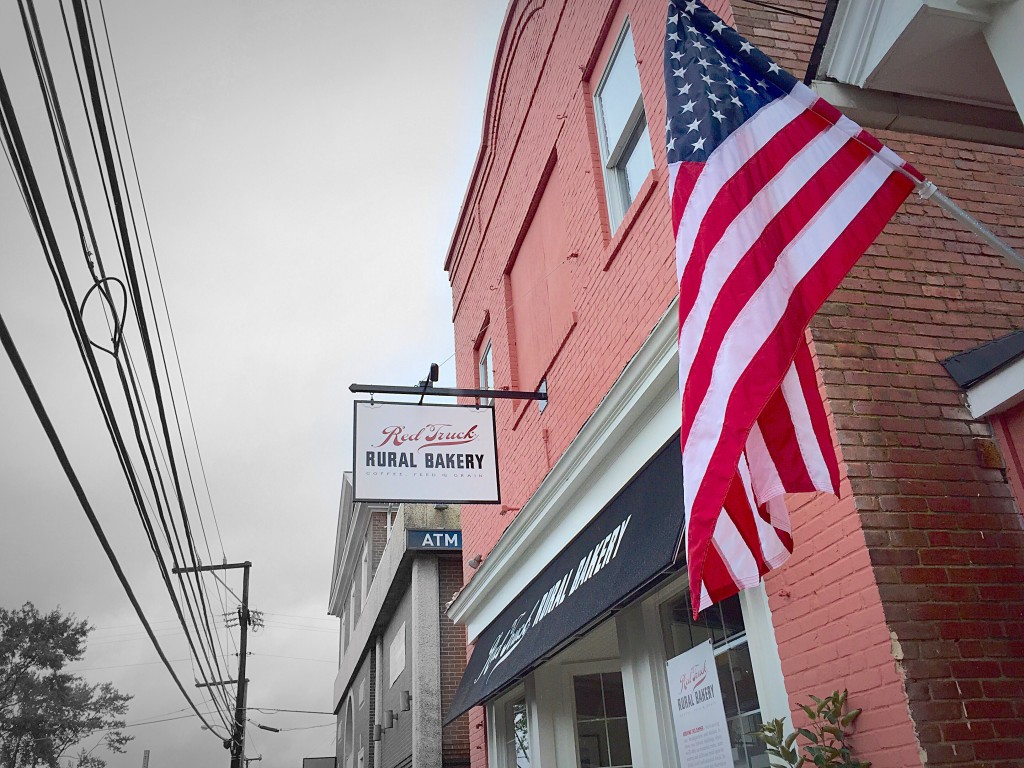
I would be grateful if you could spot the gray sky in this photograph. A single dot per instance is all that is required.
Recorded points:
(302, 164)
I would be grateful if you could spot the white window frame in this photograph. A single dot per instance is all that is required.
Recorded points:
(352, 611)
(485, 370)
(579, 669)
(499, 724)
(366, 566)
(760, 638)
(389, 517)
(616, 150)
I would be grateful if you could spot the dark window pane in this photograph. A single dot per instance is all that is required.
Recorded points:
(588, 696)
(732, 617)
(614, 697)
(712, 618)
(618, 740)
(743, 678)
(725, 680)
(593, 743)
(757, 754)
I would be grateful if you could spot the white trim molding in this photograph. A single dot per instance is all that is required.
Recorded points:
(1002, 390)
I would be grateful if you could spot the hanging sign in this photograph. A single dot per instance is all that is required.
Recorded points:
(702, 735)
(425, 453)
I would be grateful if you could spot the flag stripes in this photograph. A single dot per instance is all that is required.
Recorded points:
(769, 217)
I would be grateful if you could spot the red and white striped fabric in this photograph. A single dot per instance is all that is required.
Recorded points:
(771, 209)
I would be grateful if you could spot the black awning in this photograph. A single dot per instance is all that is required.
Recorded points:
(631, 542)
(970, 367)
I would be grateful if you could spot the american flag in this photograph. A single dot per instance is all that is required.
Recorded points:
(774, 196)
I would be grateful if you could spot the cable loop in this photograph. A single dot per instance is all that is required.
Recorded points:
(118, 336)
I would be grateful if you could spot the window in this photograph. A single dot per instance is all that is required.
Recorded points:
(486, 371)
(539, 283)
(366, 567)
(390, 517)
(353, 605)
(517, 732)
(622, 128)
(396, 656)
(723, 625)
(601, 730)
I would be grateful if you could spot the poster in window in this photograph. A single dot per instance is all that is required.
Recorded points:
(698, 711)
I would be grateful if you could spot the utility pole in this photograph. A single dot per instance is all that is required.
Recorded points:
(238, 737)
(237, 742)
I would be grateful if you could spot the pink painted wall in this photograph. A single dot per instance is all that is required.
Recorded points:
(909, 590)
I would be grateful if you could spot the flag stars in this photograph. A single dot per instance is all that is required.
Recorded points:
(707, 78)
(681, 72)
(671, 145)
(684, 90)
(774, 68)
(688, 106)
(674, 37)
(676, 55)
(699, 144)
(698, 44)
(737, 102)
(718, 26)
(713, 97)
(703, 63)
(746, 47)
(691, 6)
(694, 126)
(718, 116)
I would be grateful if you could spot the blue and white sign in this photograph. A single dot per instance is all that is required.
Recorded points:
(444, 539)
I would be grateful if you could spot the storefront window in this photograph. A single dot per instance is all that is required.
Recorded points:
(518, 730)
(603, 736)
(722, 624)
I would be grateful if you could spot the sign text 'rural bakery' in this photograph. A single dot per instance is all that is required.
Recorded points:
(426, 453)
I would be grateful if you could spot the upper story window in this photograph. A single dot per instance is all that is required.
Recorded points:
(539, 285)
(389, 516)
(622, 128)
(486, 370)
(366, 567)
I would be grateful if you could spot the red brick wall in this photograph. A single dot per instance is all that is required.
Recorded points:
(942, 530)
(909, 589)
(379, 535)
(454, 737)
(944, 560)
(614, 311)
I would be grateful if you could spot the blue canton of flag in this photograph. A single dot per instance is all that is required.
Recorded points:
(715, 80)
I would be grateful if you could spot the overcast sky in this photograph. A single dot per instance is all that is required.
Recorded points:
(303, 163)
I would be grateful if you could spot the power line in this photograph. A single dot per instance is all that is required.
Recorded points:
(22, 168)
(44, 419)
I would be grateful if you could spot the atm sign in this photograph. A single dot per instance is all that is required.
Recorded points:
(434, 539)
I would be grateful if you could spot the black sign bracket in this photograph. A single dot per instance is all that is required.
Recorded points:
(426, 387)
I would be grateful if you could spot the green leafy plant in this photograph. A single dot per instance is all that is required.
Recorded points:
(825, 740)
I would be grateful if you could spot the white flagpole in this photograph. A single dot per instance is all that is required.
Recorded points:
(926, 190)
